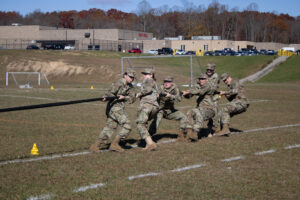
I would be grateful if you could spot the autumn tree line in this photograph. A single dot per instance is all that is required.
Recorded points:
(215, 20)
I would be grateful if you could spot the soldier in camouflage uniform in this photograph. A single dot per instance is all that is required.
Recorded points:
(169, 93)
(238, 102)
(214, 81)
(148, 107)
(204, 109)
(123, 90)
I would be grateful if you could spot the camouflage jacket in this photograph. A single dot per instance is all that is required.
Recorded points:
(120, 88)
(214, 81)
(236, 92)
(205, 94)
(149, 92)
(168, 102)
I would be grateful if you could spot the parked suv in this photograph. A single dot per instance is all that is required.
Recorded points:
(165, 51)
(32, 46)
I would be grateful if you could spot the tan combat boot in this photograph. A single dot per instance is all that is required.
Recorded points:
(95, 147)
(114, 146)
(150, 144)
(180, 136)
(225, 130)
(192, 135)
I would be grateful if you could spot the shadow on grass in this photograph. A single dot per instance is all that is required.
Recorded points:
(126, 144)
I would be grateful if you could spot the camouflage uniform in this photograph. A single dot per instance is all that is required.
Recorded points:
(204, 109)
(214, 81)
(115, 110)
(238, 101)
(148, 105)
(166, 107)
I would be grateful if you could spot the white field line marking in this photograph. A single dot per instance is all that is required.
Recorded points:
(133, 146)
(233, 159)
(94, 186)
(188, 168)
(42, 197)
(268, 128)
(44, 158)
(265, 152)
(292, 146)
(85, 188)
(143, 175)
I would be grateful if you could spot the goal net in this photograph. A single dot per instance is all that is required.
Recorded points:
(26, 79)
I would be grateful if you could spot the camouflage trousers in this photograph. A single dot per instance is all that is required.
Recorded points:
(214, 122)
(146, 112)
(116, 116)
(231, 109)
(197, 116)
(170, 114)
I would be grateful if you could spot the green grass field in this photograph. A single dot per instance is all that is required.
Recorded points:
(73, 128)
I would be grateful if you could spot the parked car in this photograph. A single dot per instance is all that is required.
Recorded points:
(32, 46)
(180, 52)
(271, 52)
(54, 46)
(230, 53)
(253, 52)
(263, 52)
(219, 53)
(153, 51)
(69, 47)
(165, 51)
(190, 53)
(239, 53)
(208, 53)
(135, 50)
(227, 49)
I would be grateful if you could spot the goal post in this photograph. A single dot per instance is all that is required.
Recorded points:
(20, 78)
(127, 59)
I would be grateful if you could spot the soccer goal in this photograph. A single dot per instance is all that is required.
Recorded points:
(26, 79)
(140, 62)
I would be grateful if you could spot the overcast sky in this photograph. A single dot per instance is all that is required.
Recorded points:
(291, 7)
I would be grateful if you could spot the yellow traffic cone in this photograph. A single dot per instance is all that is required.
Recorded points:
(52, 88)
(92, 87)
(34, 150)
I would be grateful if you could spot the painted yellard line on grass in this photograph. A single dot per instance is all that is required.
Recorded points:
(233, 159)
(188, 167)
(133, 146)
(265, 152)
(88, 187)
(143, 175)
(151, 174)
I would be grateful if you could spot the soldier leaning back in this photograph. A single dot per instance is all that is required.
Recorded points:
(238, 103)
(115, 111)
(169, 93)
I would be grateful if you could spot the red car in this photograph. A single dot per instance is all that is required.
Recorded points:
(135, 50)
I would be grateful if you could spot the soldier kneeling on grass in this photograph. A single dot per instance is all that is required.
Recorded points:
(238, 103)
(123, 90)
(205, 108)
